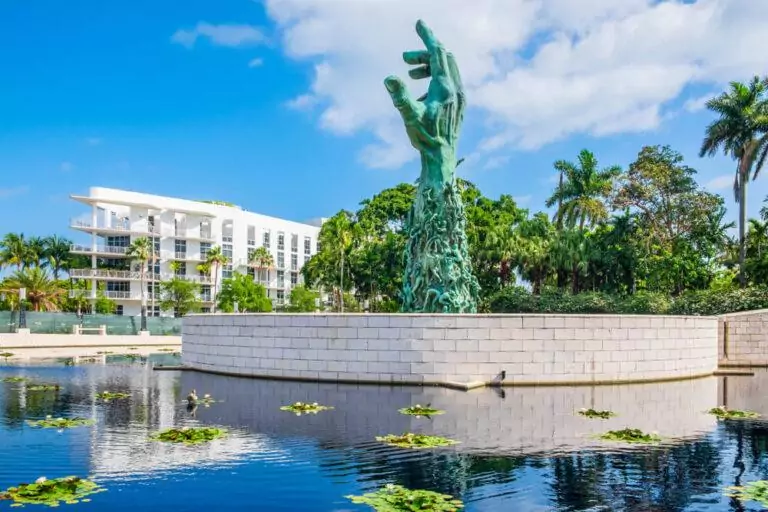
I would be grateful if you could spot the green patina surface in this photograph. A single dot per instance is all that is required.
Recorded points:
(438, 272)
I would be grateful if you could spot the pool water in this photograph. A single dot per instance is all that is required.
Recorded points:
(521, 449)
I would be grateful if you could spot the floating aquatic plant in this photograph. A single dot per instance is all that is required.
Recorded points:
(133, 348)
(6, 355)
(44, 387)
(751, 491)
(396, 498)
(166, 349)
(51, 422)
(630, 435)
(592, 414)
(104, 352)
(110, 395)
(419, 410)
(416, 441)
(732, 414)
(69, 490)
(189, 435)
(14, 379)
(305, 408)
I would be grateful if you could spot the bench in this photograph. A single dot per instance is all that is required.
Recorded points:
(101, 330)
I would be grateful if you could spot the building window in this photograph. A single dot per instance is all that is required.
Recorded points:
(294, 262)
(118, 286)
(226, 271)
(119, 310)
(180, 270)
(280, 297)
(294, 278)
(251, 236)
(205, 229)
(265, 239)
(226, 250)
(280, 260)
(205, 293)
(157, 246)
(281, 241)
(151, 224)
(180, 248)
(294, 243)
(118, 241)
(156, 311)
(280, 279)
(205, 247)
(307, 245)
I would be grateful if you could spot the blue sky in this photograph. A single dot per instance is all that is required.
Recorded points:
(279, 106)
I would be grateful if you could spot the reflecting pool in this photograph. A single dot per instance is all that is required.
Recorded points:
(521, 449)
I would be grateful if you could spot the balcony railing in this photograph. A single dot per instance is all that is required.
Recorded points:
(110, 294)
(99, 249)
(182, 256)
(124, 228)
(133, 275)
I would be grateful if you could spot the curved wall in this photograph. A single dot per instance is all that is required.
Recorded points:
(439, 349)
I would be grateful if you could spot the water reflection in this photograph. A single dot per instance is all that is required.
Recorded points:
(525, 449)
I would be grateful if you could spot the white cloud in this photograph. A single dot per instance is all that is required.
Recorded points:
(722, 182)
(221, 35)
(94, 141)
(6, 193)
(302, 102)
(541, 70)
(255, 63)
(696, 104)
(67, 166)
(522, 200)
(495, 162)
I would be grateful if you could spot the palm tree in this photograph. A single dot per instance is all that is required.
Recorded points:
(42, 292)
(13, 251)
(215, 260)
(57, 255)
(35, 253)
(581, 197)
(338, 232)
(502, 245)
(741, 132)
(141, 251)
(261, 259)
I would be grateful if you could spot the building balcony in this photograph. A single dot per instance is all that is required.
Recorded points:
(110, 294)
(188, 234)
(182, 256)
(119, 228)
(99, 250)
(133, 275)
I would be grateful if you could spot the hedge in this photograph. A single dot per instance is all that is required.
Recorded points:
(516, 299)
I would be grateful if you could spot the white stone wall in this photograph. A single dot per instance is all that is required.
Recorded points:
(531, 349)
(743, 338)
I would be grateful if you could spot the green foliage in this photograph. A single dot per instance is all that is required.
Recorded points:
(593, 414)
(107, 396)
(715, 302)
(217, 203)
(415, 441)
(395, 498)
(249, 295)
(69, 490)
(14, 379)
(302, 300)
(44, 387)
(305, 408)
(189, 435)
(180, 296)
(732, 414)
(630, 435)
(751, 491)
(60, 423)
(419, 410)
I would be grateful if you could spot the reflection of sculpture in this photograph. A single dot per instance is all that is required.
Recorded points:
(438, 274)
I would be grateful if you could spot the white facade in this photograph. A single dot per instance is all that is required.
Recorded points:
(183, 232)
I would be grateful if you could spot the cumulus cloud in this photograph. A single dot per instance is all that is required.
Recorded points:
(722, 182)
(230, 35)
(537, 70)
(255, 63)
(696, 104)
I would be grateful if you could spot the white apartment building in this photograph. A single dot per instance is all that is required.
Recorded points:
(183, 231)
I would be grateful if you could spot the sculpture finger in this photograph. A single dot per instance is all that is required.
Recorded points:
(401, 98)
(437, 55)
(416, 57)
(453, 71)
(420, 72)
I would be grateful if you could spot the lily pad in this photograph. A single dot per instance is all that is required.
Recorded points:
(14, 379)
(419, 410)
(732, 414)
(416, 441)
(44, 387)
(166, 349)
(593, 414)
(305, 408)
(109, 395)
(104, 352)
(751, 491)
(69, 490)
(630, 435)
(396, 498)
(189, 435)
(6, 355)
(51, 422)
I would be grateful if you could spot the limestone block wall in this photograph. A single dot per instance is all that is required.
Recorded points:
(427, 349)
(743, 337)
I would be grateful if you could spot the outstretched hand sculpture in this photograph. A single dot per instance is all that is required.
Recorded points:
(438, 273)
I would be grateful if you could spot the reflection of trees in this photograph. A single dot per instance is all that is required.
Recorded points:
(655, 480)
(20, 404)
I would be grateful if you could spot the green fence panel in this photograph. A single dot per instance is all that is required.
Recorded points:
(61, 323)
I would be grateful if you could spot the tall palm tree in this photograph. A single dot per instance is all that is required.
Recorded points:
(13, 251)
(261, 259)
(502, 245)
(338, 231)
(43, 292)
(215, 260)
(57, 255)
(581, 197)
(141, 251)
(35, 253)
(741, 132)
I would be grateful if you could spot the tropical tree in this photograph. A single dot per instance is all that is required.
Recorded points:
(741, 132)
(261, 259)
(337, 234)
(581, 198)
(215, 260)
(302, 300)
(14, 251)
(35, 253)
(56, 254)
(141, 251)
(43, 293)
(180, 296)
(249, 296)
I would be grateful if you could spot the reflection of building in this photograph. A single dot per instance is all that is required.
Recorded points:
(184, 232)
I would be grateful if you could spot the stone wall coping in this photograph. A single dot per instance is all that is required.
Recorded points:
(462, 315)
(744, 313)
